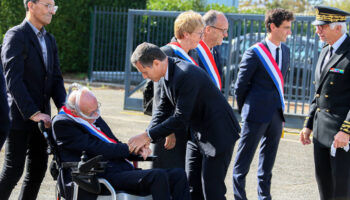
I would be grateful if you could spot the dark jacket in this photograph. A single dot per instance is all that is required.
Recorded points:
(256, 94)
(72, 138)
(30, 85)
(198, 104)
(4, 108)
(330, 108)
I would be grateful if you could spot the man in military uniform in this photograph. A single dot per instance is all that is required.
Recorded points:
(329, 117)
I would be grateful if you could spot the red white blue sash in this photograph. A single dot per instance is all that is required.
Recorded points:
(181, 53)
(90, 127)
(271, 67)
(207, 59)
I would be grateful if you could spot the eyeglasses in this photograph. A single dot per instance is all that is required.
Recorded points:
(224, 31)
(199, 33)
(93, 115)
(50, 7)
(322, 27)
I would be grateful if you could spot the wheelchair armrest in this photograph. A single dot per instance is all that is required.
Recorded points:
(133, 157)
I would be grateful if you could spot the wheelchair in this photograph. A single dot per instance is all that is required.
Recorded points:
(83, 182)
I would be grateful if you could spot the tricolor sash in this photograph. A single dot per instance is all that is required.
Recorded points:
(181, 53)
(89, 127)
(207, 59)
(271, 67)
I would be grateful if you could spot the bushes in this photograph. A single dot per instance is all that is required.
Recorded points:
(70, 26)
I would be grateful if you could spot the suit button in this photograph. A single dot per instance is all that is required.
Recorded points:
(317, 95)
(318, 110)
(327, 110)
(331, 83)
(314, 82)
(326, 96)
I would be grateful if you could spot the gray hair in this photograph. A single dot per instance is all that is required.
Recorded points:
(210, 17)
(26, 3)
(146, 53)
(342, 24)
(73, 103)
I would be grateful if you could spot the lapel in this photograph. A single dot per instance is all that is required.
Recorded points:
(285, 60)
(34, 40)
(168, 83)
(49, 53)
(338, 54)
(319, 65)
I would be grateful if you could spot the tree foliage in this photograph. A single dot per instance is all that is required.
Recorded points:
(70, 26)
(341, 4)
(261, 6)
(184, 5)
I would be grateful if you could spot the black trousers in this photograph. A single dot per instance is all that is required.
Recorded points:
(162, 184)
(24, 146)
(206, 175)
(268, 134)
(332, 173)
(173, 158)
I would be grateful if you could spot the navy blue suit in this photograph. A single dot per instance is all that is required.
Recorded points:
(72, 138)
(198, 104)
(260, 106)
(4, 108)
(217, 60)
(30, 86)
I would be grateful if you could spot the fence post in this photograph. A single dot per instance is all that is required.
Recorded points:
(92, 42)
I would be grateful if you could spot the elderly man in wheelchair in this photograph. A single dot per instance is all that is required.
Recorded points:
(78, 127)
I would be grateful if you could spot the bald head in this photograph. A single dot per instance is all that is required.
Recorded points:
(87, 102)
(83, 103)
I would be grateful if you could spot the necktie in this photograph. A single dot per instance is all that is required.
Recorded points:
(327, 57)
(277, 56)
(330, 52)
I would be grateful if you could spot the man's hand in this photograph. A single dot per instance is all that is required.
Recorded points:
(137, 142)
(305, 136)
(42, 116)
(341, 139)
(170, 141)
(145, 152)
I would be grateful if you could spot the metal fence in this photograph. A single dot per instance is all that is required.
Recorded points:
(244, 30)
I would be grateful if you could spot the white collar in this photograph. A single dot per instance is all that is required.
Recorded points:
(271, 45)
(340, 41)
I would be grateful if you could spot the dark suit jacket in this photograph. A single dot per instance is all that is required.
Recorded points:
(256, 94)
(29, 84)
(216, 56)
(330, 109)
(198, 104)
(72, 139)
(4, 109)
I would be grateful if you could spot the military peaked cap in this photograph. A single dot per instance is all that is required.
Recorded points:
(326, 15)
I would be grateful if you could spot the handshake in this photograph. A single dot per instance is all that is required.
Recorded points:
(139, 144)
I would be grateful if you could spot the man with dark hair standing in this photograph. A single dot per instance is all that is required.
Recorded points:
(260, 100)
(33, 76)
(198, 104)
(329, 116)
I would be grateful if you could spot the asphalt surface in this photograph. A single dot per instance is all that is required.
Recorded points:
(293, 173)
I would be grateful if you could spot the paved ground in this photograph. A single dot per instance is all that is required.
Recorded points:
(293, 174)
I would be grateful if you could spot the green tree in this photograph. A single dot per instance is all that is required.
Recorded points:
(341, 4)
